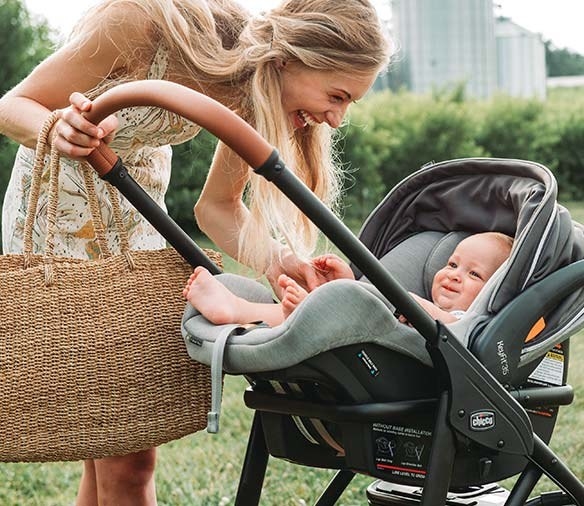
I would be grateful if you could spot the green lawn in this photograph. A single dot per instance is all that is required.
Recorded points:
(203, 469)
(576, 210)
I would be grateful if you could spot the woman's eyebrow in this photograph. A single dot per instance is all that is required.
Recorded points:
(343, 92)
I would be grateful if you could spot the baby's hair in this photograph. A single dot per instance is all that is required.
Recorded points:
(505, 240)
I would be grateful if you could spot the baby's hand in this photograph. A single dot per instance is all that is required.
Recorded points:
(433, 310)
(330, 267)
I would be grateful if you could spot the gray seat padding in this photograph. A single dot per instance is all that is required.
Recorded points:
(336, 314)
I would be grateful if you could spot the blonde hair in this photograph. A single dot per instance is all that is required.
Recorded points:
(233, 57)
(505, 241)
(504, 244)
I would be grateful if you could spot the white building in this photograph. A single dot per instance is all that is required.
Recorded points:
(565, 82)
(444, 43)
(521, 69)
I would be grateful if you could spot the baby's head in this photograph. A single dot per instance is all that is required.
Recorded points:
(470, 266)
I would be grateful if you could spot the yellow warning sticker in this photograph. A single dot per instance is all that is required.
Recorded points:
(550, 371)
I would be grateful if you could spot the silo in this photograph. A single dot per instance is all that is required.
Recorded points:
(520, 60)
(446, 42)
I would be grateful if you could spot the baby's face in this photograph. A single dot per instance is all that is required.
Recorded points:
(473, 262)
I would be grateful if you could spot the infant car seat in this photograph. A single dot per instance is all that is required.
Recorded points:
(341, 384)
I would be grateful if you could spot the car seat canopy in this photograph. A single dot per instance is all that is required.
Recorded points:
(515, 197)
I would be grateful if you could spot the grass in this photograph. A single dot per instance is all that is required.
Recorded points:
(576, 210)
(203, 469)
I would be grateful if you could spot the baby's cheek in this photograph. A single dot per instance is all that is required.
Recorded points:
(475, 289)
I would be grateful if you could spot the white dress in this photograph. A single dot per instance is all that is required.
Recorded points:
(142, 141)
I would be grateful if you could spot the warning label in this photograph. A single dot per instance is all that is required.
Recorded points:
(400, 450)
(550, 371)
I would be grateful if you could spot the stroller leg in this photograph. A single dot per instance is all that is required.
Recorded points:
(335, 488)
(254, 466)
(441, 459)
(524, 485)
(557, 471)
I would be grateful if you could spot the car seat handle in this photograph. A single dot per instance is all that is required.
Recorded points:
(261, 156)
(192, 105)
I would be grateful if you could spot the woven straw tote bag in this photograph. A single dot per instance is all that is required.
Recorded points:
(92, 362)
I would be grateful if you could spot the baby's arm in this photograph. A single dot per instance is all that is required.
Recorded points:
(433, 310)
(330, 267)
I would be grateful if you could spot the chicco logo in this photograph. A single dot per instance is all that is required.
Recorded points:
(482, 420)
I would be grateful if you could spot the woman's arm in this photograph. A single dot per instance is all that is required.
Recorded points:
(73, 68)
(221, 212)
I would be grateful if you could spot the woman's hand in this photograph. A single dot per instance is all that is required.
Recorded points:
(76, 137)
(304, 273)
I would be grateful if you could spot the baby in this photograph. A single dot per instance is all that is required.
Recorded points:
(454, 287)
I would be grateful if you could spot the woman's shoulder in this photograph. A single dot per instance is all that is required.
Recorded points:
(121, 27)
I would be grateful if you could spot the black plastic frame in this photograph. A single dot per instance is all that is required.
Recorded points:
(465, 381)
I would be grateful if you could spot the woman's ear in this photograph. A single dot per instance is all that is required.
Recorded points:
(280, 63)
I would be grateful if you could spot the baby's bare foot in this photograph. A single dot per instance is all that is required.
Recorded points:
(293, 294)
(211, 298)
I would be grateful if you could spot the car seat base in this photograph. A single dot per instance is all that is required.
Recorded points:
(383, 493)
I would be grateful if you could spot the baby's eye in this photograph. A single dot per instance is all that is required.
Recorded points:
(475, 274)
(452, 265)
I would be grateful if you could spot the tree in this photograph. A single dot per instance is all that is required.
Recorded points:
(563, 62)
(190, 165)
(24, 42)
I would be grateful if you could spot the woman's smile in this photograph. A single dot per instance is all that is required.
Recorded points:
(311, 97)
(302, 119)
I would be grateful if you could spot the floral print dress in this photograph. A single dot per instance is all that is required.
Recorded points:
(143, 141)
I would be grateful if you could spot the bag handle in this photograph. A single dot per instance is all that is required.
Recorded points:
(42, 151)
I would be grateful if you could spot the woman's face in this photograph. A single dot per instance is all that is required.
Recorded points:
(314, 96)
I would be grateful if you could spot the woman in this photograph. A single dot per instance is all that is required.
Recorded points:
(291, 73)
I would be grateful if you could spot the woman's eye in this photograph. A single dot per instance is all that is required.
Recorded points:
(337, 98)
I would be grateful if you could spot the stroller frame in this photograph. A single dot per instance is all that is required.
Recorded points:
(466, 385)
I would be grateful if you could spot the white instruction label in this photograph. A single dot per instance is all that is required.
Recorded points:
(550, 371)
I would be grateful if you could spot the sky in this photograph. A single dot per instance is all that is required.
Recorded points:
(557, 20)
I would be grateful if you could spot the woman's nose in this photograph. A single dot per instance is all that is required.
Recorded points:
(335, 116)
